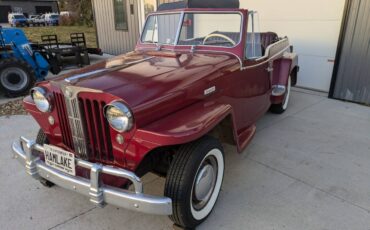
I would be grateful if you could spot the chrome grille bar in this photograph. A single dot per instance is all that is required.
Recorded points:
(75, 120)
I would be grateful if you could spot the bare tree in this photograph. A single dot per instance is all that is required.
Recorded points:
(82, 8)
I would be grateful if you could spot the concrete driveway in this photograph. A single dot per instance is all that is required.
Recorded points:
(306, 169)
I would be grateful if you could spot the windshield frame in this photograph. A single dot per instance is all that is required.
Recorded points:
(179, 28)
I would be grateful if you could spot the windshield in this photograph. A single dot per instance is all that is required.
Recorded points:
(19, 17)
(161, 29)
(207, 29)
(54, 16)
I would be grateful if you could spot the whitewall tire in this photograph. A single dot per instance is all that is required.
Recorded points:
(194, 181)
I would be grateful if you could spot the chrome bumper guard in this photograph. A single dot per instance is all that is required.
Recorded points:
(98, 193)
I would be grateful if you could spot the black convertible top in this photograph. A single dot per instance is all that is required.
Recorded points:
(200, 4)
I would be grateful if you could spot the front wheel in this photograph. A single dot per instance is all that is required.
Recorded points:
(194, 181)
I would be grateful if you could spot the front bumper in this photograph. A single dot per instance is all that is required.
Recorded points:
(99, 194)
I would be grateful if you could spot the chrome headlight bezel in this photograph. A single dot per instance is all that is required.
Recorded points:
(123, 123)
(46, 107)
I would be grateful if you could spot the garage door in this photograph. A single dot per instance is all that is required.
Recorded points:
(351, 80)
(4, 10)
(313, 28)
(43, 9)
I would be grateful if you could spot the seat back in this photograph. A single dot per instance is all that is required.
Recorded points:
(268, 38)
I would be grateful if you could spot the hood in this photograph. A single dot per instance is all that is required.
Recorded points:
(153, 81)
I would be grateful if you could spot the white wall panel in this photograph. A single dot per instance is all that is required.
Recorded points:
(313, 28)
(315, 72)
(114, 41)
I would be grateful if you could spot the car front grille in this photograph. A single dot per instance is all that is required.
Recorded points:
(84, 128)
(65, 129)
(98, 133)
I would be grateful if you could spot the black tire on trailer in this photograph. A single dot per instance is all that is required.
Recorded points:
(42, 139)
(16, 77)
(194, 181)
(282, 107)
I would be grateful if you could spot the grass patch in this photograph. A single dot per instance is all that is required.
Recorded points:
(63, 33)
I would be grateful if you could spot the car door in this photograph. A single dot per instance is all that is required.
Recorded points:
(252, 85)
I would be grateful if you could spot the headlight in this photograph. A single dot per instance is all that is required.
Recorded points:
(39, 97)
(119, 116)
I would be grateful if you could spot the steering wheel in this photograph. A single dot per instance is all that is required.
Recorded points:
(220, 36)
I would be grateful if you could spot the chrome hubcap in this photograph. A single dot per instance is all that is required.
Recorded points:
(204, 183)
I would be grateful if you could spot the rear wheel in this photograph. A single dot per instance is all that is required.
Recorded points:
(194, 181)
(42, 139)
(16, 77)
(282, 107)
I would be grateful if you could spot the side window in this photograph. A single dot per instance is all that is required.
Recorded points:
(253, 46)
(120, 14)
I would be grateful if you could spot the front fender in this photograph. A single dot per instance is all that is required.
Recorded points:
(181, 127)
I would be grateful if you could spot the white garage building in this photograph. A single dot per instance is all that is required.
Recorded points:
(314, 28)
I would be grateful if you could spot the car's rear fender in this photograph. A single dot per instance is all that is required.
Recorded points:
(283, 68)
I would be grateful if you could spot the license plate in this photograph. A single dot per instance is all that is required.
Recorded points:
(60, 159)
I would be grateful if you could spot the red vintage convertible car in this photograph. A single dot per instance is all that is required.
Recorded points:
(198, 77)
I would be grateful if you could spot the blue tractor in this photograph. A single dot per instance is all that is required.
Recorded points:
(20, 65)
(23, 63)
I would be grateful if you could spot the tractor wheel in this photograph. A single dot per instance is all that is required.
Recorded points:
(282, 107)
(41, 140)
(16, 77)
(194, 181)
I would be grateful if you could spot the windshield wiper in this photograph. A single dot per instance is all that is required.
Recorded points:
(193, 48)
(159, 46)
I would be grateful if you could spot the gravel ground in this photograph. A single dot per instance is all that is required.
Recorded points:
(14, 107)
